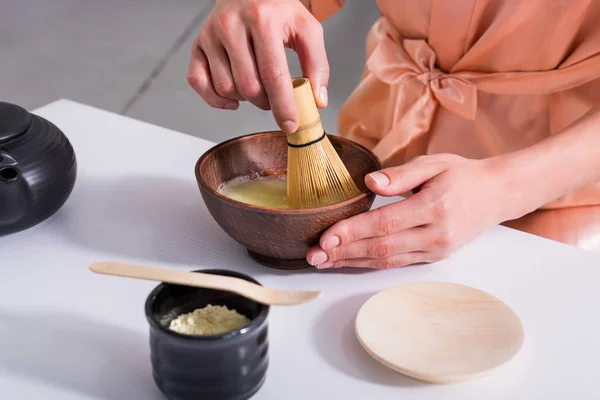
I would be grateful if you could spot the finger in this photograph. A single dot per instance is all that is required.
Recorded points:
(220, 69)
(407, 241)
(396, 180)
(401, 260)
(200, 80)
(386, 220)
(238, 45)
(275, 76)
(313, 58)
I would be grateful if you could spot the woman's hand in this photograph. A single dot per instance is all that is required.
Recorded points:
(240, 55)
(456, 200)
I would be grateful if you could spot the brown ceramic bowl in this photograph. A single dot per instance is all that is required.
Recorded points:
(278, 238)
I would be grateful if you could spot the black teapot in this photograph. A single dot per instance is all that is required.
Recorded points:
(38, 169)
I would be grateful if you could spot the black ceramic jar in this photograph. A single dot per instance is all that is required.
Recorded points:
(37, 169)
(230, 366)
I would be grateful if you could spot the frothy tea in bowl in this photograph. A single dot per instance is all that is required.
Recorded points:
(263, 191)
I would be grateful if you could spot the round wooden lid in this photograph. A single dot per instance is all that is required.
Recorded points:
(439, 332)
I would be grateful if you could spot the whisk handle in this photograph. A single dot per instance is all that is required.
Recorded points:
(310, 130)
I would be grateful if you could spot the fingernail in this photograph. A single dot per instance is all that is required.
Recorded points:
(380, 179)
(319, 258)
(323, 94)
(288, 126)
(325, 265)
(230, 106)
(331, 242)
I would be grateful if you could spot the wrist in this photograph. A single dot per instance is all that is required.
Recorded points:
(532, 177)
(511, 174)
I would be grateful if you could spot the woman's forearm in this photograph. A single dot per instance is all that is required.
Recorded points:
(553, 168)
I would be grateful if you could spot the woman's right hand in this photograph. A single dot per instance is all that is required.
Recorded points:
(240, 55)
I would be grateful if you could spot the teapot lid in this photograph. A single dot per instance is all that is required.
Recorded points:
(14, 121)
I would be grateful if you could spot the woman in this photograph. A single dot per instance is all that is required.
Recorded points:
(489, 108)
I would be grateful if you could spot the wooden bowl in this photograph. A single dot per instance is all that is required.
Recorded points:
(278, 238)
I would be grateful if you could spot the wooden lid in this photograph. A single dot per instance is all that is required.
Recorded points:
(439, 332)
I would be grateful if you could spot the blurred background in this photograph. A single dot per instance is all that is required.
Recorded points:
(130, 57)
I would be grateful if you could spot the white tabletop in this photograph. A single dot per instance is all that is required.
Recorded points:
(66, 333)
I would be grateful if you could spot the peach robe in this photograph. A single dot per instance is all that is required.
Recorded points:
(480, 78)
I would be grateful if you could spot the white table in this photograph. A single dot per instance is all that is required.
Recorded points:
(66, 333)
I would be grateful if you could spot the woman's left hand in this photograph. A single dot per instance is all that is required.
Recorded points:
(457, 199)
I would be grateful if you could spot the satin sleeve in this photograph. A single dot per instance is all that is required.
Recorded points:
(323, 9)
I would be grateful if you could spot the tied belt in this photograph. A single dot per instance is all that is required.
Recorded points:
(414, 60)
(415, 87)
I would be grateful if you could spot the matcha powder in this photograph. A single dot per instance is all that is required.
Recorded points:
(210, 320)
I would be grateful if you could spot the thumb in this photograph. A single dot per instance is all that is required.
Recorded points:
(397, 180)
(310, 47)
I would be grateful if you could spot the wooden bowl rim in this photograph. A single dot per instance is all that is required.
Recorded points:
(281, 211)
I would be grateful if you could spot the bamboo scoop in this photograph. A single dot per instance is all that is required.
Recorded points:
(239, 286)
(316, 175)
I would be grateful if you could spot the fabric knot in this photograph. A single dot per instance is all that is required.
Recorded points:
(410, 88)
(429, 76)
(395, 63)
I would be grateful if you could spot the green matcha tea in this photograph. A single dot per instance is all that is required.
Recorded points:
(266, 191)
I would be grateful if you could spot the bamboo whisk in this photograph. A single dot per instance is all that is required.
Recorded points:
(316, 175)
